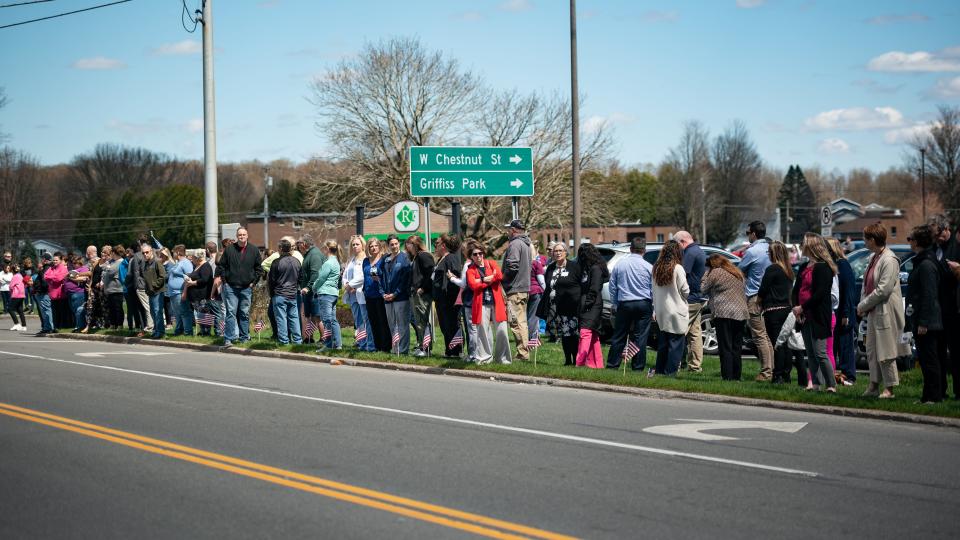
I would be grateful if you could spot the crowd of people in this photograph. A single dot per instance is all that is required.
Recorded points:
(801, 318)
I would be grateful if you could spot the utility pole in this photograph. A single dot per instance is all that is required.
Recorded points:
(787, 221)
(210, 211)
(267, 184)
(575, 115)
(923, 182)
(703, 209)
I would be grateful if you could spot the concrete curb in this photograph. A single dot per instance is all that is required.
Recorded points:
(528, 379)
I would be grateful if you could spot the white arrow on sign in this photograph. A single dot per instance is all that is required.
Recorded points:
(516, 183)
(102, 354)
(516, 159)
(693, 431)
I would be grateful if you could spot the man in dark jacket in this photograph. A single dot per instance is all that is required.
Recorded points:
(694, 265)
(238, 269)
(155, 285)
(421, 294)
(136, 284)
(946, 249)
(282, 283)
(516, 284)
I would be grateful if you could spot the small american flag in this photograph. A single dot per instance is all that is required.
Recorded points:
(309, 329)
(427, 340)
(205, 319)
(259, 326)
(360, 334)
(223, 324)
(457, 339)
(630, 350)
(396, 337)
(533, 342)
(327, 333)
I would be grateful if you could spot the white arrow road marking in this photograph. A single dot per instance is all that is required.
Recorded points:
(102, 354)
(693, 431)
(516, 183)
(516, 159)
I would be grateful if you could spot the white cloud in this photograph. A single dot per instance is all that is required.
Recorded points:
(660, 16)
(856, 119)
(596, 122)
(187, 46)
(516, 5)
(893, 19)
(922, 61)
(467, 16)
(749, 4)
(947, 88)
(833, 146)
(906, 134)
(194, 125)
(98, 63)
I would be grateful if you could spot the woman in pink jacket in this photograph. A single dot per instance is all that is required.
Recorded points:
(17, 296)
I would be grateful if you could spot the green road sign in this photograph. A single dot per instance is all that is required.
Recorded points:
(471, 171)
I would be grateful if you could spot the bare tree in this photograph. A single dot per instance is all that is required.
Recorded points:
(685, 170)
(20, 180)
(942, 148)
(112, 169)
(736, 175)
(544, 125)
(373, 108)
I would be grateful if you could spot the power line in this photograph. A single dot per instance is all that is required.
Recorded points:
(25, 3)
(102, 218)
(64, 14)
(194, 20)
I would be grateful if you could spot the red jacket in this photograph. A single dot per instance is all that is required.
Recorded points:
(476, 284)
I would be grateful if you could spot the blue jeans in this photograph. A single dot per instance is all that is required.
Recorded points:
(533, 322)
(237, 303)
(328, 314)
(360, 321)
(185, 319)
(156, 311)
(287, 315)
(46, 312)
(77, 301)
(631, 322)
(175, 312)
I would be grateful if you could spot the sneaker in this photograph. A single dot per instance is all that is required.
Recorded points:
(227, 343)
(419, 354)
(23, 328)
(651, 373)
(848, 382)
(15, 328)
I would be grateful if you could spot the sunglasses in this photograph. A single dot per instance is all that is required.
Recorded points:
(475, 253)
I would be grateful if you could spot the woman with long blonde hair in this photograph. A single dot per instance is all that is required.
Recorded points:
(378, 327)
(813, 309)
(845, 315)
(352, 281)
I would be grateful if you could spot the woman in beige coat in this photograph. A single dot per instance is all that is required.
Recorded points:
(882, 305)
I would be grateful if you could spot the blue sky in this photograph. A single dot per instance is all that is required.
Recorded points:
(839, 84)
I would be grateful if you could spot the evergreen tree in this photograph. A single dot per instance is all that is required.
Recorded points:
(797, 203)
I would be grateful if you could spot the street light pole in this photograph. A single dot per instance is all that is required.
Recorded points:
(575, 116)
(267, 184)
(210, 211)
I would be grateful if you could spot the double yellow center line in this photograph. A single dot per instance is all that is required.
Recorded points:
(439, 515)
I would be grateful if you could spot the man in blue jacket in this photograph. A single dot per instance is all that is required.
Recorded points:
(396, 295)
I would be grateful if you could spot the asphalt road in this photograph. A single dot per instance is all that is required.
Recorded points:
(100, 441)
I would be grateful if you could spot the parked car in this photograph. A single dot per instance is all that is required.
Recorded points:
(613, 252)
